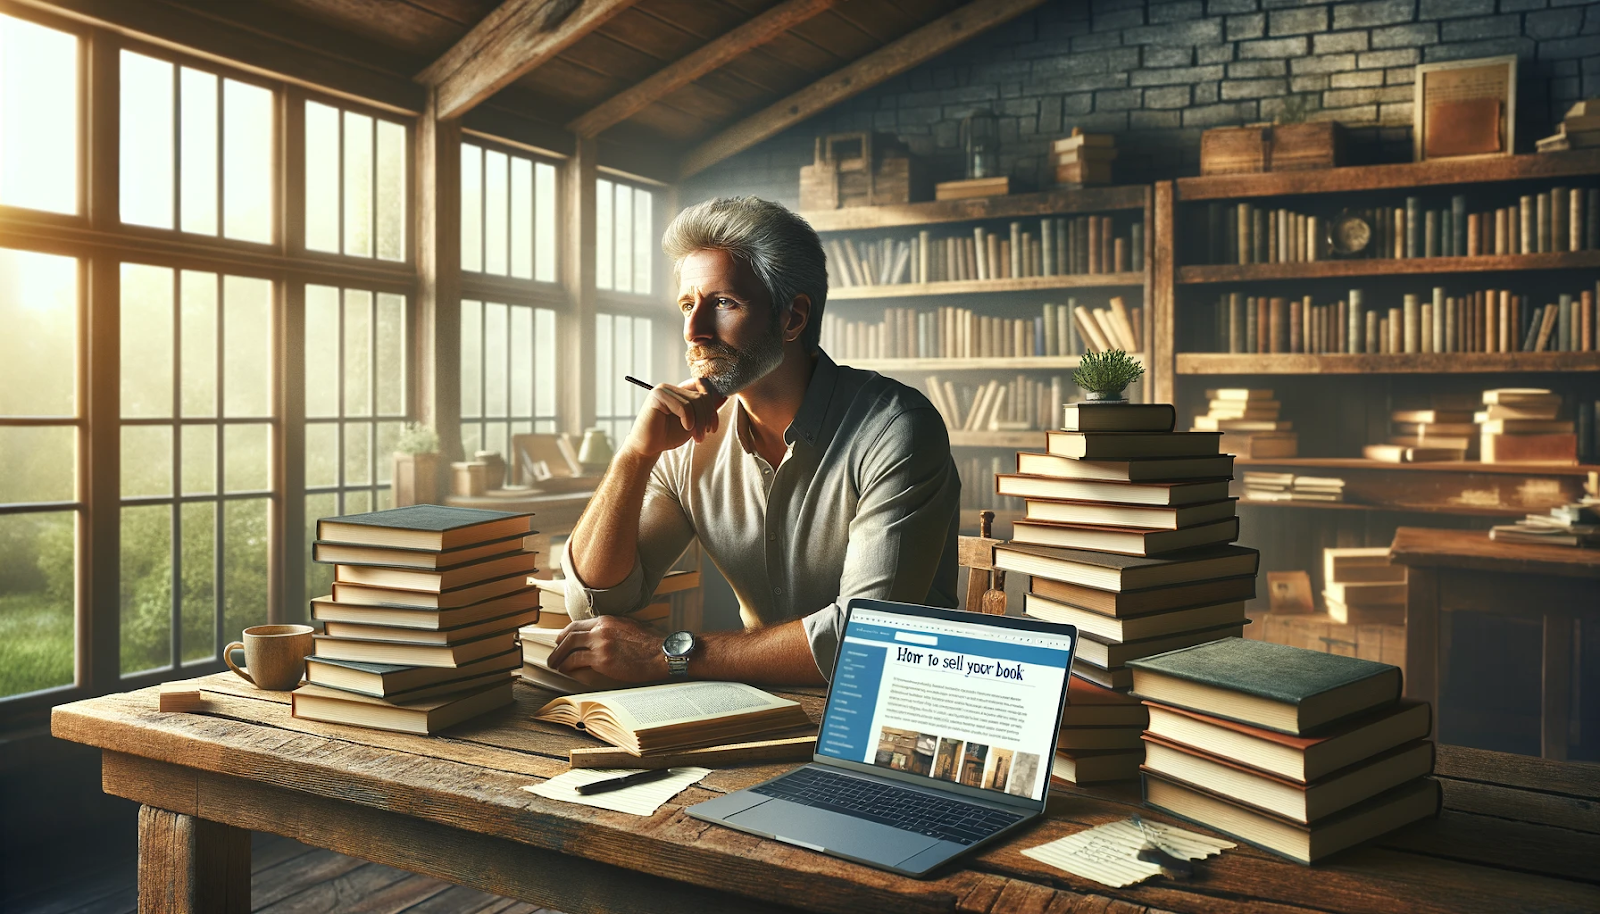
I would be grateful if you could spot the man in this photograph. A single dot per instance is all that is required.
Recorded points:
(806, 482)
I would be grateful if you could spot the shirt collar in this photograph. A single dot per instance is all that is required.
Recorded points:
(807, 424)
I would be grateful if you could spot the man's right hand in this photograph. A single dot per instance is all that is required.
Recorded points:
(671, 415)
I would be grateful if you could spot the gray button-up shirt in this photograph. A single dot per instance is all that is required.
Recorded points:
(866, 503)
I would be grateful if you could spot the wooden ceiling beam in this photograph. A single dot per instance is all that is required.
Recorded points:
(889, 61)
(515, 38)
(680, 73)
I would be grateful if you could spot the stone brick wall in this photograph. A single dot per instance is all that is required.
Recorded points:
(1159, 73)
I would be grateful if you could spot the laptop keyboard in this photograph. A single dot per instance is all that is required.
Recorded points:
(911, 810)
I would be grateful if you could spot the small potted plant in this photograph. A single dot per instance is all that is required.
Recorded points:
(416, 466)
(1105, 376)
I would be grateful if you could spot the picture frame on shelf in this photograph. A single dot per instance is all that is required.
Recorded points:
(1465, 109)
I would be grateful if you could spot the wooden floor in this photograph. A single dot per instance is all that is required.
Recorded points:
(287, 877)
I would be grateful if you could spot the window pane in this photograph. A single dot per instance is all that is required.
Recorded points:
(604, 209)
(604, 369)
(391, 355)
(247, 349)
(322, 454)
(199, 459)
(644, 241)
(358, 501)
(388, 436)
(357, 353)
(471, 207)
(623, 364)
(544, 229)
(198, 370)
(146, 341)
(146, 154)
(146, 590)
(522, 218)
(246, 455)
(544, 358)
(39, 348)
(244, 565)
(41, 464)
(494, 359)
(357, 453)
(319, 577)
(391, 191)
(495, 438)
(247, 178)
(640, 366)
(146, 460)
(471, 437)
(197, 604)
(197, 152)
(623, 226)
(471, 358)
(521, 361)
(37, 595)
(496, 199)
(357, 184)
(38, 117)
(322, 177)
(322, 351)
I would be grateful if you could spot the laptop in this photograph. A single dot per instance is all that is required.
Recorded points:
(936, 740)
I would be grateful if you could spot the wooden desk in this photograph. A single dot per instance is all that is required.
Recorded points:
(1516, 834)
(1465, 570)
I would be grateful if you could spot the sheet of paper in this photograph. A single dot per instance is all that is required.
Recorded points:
(638, 800)
(1109, 854)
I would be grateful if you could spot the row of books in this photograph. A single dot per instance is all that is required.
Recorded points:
(1062, 246)
(1576, 524)
(1292, 487)
(1559, 219)
(1020, 404)
(977, 491)
(951, 332)
(1516, 425)
(1492, 320)
(1250, 423)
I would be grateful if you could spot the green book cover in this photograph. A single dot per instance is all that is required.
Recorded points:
(424, 517)
(1276, 672)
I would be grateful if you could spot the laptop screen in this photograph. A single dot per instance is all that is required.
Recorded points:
(972, 703)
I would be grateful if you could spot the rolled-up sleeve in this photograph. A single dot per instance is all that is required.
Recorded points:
(903, 537)
(664, 532)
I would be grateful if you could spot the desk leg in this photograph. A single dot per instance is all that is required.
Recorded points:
(188, 865)
(1422, 639)
(1555, 687)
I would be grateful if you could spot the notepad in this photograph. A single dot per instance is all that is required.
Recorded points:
(1109, 854)
(638, 800)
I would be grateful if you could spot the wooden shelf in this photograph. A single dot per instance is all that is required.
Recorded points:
(1022, 363)
(1329, 269)
(1219, 363)
(1381, 177)
(1012, 206)
(1459, 510)
(974, 286)
(1031, 439)
(1449, 466)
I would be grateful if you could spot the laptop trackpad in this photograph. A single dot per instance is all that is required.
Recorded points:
(837, 832)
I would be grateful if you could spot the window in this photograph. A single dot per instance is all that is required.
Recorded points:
(625, 239)
(196, 150)
(622, 347)
(356, 174)
(39, 507)
(38, 117)
(356, 375)
(508, 214)
(508, 374)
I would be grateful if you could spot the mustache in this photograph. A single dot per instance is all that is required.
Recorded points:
(710, 351)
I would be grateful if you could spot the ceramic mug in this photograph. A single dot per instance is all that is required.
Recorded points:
(274, 655)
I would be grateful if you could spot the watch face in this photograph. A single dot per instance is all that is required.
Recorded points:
(1351, 234)
(678, 644)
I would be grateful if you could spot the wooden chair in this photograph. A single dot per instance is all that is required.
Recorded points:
(986, 585)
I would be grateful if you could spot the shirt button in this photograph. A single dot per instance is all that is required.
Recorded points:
(777, 591)
(772, 537)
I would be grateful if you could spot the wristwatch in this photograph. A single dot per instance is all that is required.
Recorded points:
(677, 647)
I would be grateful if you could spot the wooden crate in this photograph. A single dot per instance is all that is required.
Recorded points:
(1318, 632)
(1285, 147)
(857, 169)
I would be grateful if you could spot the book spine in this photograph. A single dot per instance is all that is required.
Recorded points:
(1047, 239)
(1564, 323)
(1251, 328)
(1236, 322)
(924, 256)
(1413, 227)
(1541, 223)
(1119, 260)
(982, 244)
(1242, 233)
(1297, 329)
(1258, 235)
(1575, 219)
(1410, 328)
(1095, 243)
(1278, 315)
(1474, 235)
(1537, 335)
(1018, 250)
(1061, 245)
(1591, 219)
(1450, 325)
(1430, 234)
(1136, 247)
(1525, 211)
(1560, 208)
(1434, 327)
(1355, 330)
(1459, 222)
(1586, 340)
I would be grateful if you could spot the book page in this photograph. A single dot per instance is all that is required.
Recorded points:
(638, 800)
(684, 702)
(1109, 854)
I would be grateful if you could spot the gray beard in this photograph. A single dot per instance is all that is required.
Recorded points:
(742, 367)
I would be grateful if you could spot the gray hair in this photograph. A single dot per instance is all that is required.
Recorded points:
(781, 248)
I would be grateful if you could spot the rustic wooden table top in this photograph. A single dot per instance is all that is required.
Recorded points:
(1516, 833)
(1472, 549)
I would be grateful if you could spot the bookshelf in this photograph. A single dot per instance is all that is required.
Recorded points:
(979, 452)
(1222, 363)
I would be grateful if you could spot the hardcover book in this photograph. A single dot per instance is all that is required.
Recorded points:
(677, 715)
(432, 527)
(1105, 571)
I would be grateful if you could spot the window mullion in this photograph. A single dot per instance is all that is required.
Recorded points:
(176, 520)
(219, 590)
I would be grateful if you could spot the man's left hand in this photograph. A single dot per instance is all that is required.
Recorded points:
(614, 646)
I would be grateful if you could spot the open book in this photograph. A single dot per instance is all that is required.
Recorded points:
(677, 715)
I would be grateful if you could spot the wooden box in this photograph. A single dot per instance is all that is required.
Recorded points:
(857, 169)
(1285, 147)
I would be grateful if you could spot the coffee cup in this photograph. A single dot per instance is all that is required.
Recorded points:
(274, 655)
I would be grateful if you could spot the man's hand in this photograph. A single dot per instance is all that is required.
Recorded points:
(672, 414)
(615, 647)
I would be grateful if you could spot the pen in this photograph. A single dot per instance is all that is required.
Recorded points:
(627, 780)
(633, 380)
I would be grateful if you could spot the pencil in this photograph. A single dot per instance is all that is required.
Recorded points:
(635, 381)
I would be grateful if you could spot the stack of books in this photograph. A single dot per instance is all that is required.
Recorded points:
(1127, 535)
(1580, 129)
(420, 630)
(1084, 159)
(1427, 429)
(1298, 752)
(1361, 587)
(1519, 425)
(1576, 524)
(1292, 487)
(1249, 423)
(538, 640)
